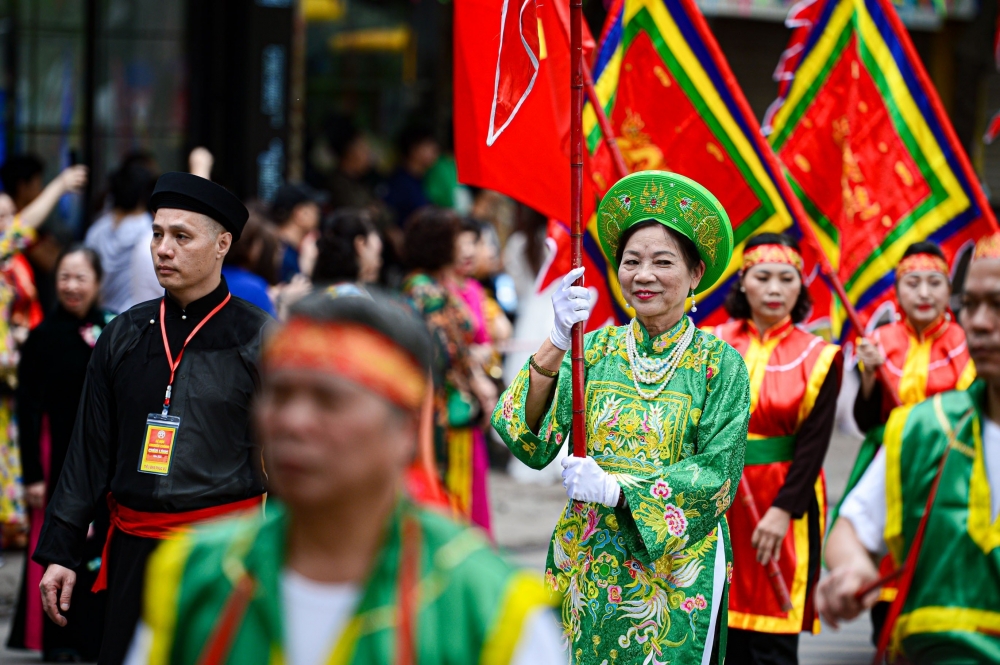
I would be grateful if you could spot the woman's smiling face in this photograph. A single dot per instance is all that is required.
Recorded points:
(654, 277)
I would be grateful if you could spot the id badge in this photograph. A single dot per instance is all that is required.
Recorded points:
(158, 444)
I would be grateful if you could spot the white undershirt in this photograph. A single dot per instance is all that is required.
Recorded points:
(865, 505)
(315, 616)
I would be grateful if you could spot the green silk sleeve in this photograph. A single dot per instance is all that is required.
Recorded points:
(537, 450)
(682, 503)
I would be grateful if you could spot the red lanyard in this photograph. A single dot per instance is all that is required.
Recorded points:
(174, 364)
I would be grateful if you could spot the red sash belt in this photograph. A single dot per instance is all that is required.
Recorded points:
(160, 525)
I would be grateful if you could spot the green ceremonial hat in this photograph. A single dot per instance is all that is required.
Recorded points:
(676, 202)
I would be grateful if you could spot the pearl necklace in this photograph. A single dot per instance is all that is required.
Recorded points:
(653, 370)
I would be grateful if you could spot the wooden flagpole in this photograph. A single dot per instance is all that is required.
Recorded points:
(576, 213)
(621, 169)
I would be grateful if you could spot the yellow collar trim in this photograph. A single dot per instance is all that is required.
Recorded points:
(983, 530)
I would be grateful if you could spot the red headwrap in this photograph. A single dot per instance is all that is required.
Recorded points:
(773, 253)
(350, 350)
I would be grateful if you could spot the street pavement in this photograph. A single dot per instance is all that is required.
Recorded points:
(524, 515)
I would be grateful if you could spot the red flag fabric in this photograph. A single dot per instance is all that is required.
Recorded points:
(870, 152)
(512, 85)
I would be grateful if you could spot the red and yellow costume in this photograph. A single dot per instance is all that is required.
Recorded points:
(788, 367)
(919, 365)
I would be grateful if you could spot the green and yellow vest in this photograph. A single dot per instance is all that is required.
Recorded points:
(952, 612)
(470, 604)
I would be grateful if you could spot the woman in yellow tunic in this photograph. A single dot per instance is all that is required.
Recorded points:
(641, 551)
(794, 383)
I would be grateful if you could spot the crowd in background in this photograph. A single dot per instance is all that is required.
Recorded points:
(463, 258)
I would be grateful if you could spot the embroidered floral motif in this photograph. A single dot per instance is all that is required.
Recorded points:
(660, 490)
(677, 523)
(692, 604)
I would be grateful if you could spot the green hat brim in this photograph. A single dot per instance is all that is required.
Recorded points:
(678, 203)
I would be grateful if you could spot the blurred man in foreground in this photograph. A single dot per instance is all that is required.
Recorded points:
(951, 441)
(342, 569)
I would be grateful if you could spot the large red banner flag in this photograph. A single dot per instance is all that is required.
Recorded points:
(512, 99)
(674, 104)
(869, 151)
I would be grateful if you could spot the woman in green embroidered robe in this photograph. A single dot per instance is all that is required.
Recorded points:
(641, 552)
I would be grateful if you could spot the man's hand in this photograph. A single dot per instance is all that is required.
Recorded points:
(57, 590)
(770, 533)
(34, 494)
(835, 599)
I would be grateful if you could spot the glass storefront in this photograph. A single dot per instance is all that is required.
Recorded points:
(58, 106)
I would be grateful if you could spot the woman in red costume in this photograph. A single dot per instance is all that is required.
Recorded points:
(794, 383)
(925, 353)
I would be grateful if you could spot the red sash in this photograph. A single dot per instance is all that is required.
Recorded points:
(160, 525)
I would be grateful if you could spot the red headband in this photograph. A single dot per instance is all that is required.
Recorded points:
(921, 263)
(771, 254)
(988, 247)
(350, 350)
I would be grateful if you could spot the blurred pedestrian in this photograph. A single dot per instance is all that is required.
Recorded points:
(403, 192)
(642, 549)
(115, 234)
(50, 381)
(349, 249)
(924, 353)
(34, 268)
(466, 395)
(296, 211)
(251, 266)
(945, 539)
(33, 205)
(463, 281)
(348, 183)
(17, 232)
(344, 569)
(441, 181)
(164, 423)
(499, 285)
(793, 413)
(21, 176)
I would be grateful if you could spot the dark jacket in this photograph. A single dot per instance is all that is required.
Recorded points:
(215, 460)
(50, 380)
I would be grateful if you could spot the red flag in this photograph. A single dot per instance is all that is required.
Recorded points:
(512, 78)
(871, 154)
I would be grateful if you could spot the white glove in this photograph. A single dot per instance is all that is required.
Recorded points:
(585, 481)
(571, 304)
